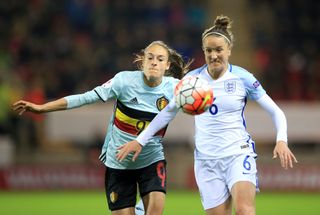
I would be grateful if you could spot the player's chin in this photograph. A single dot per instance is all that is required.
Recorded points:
(152, 78)
(216, 67)
(215, 64)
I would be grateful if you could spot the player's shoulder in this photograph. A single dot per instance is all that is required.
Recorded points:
(128, 74)
(170, 80)
(240, 71)
(244, 75)
(248, 79)
(126, 77)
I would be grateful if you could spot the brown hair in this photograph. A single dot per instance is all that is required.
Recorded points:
(221, 27)
(178, 67)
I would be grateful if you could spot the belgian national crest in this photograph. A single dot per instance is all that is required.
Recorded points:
(162, 102)
(113, 197)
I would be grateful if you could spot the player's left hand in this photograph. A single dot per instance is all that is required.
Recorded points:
(285, 155)
(125, 149)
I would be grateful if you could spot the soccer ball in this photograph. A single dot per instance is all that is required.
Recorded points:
(193, 95)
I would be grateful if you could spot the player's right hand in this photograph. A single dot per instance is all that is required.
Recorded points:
(22, 106)
(129, 147)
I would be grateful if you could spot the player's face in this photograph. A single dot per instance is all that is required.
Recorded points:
(155, 64)
(217, 52)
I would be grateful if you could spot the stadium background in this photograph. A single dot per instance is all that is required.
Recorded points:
(49, 49)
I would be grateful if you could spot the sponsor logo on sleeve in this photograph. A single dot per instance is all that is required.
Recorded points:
(256, 84)
(107, 84)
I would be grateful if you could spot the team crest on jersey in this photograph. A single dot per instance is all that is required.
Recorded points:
(113, 197)
(230, 86)
(162, 103)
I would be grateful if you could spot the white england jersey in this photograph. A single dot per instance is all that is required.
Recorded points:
(221, 130)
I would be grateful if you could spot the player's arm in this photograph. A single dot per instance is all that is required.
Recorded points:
(25, 106)
(67, 102)
(160, 121)
(281, 149)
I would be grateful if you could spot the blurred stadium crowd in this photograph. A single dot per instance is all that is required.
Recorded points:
(286, 40)
(49, 49)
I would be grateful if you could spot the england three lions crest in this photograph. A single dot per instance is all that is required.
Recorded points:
(230, 86)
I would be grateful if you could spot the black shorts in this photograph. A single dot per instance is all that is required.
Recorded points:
(121, 185)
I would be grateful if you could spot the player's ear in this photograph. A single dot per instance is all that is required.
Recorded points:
(168, 65)
(229, 52)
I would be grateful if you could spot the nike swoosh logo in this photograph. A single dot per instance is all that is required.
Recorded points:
(139, 209)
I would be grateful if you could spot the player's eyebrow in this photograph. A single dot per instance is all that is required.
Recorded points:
(212, 47)
(152, 55)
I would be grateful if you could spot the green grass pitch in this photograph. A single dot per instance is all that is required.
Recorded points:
(177, 203)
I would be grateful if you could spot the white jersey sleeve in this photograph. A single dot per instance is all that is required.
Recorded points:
(278, 117)
(161, 120)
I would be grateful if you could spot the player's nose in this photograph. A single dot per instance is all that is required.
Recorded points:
(154, 62)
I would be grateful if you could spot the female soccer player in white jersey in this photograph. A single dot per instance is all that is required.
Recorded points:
(139, 96)
(225, 166)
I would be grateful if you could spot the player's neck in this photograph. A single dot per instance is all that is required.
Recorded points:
(152, 82)
(216, 74)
